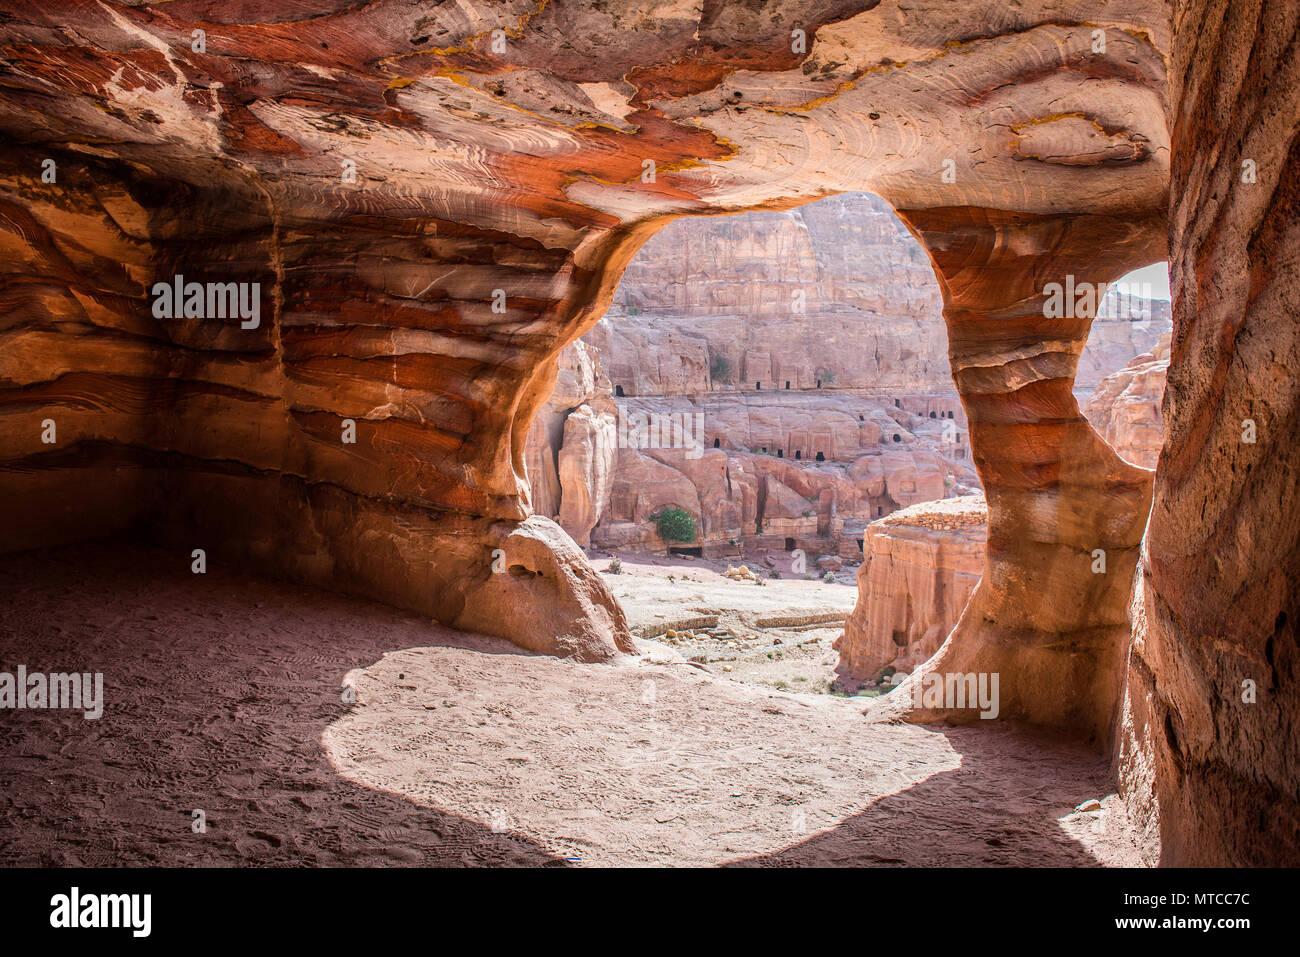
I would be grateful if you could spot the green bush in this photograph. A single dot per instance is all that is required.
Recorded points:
(720, 368)
(676, 525)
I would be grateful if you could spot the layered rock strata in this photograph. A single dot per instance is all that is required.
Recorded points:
(920, 566)
(1211, 727)
(848, 253)
(1059, 498)
(428, 204)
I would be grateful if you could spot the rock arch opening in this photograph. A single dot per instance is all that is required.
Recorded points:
(1122, 399)
(703, 306)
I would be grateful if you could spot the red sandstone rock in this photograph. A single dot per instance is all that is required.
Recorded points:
(586, 470)
(1214, 774)
(920, 566)
(521, 170)
(479, 170)
(1055, 630)
(1125, 407)
(846, 252)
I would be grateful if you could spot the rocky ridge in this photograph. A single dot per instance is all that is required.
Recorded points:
(920, 566)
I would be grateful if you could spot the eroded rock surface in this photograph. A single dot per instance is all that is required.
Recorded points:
(432, 203)
(1211, 726)
(920, 566)
(1125, 407)
(1042, 617)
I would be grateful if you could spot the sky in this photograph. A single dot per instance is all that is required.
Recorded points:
(1157, 275)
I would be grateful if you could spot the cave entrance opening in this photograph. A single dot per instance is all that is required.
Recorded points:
(858, 376)
(830, 309)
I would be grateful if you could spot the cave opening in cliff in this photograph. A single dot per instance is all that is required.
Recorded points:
(836, 302)
(1121, 396)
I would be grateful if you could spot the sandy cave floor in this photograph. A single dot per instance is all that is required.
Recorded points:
(224, 693)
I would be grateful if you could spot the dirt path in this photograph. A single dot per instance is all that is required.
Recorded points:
(224, 694)
(776, 633)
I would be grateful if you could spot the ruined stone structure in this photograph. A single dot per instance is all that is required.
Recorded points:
(786, 469)
(434, 201)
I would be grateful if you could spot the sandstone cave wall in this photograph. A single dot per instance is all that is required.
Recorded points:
(1211, 721)
(199, 434)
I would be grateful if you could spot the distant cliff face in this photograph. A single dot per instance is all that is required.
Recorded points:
(1117, 338)
(1125, 408)
(781, 470)
(834, 294)
(693, 355)
(846, 252)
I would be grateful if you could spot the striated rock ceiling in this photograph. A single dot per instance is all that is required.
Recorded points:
(537, 117)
